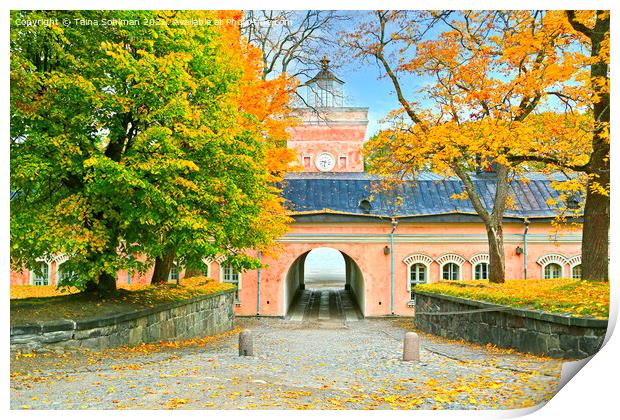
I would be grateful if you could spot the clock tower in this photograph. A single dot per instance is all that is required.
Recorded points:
(331, 135)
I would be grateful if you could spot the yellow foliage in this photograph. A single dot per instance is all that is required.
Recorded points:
(149, 294)
(572, 296)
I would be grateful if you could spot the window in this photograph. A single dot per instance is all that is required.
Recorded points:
(41, 275)
(174, 272)
(451, 271)
(417, 274)
(342, 161)
(306, 161)
(481, 271)
(552, 265)
(576, 272)
(229, 275)
(553, 271)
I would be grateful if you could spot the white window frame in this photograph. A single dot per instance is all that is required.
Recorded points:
(48, 276)
(174, 265)
(60, 260)
(458, 267)
(547, 259)
(413, 259)
(223, 273)
(451, 258)
(544, 276)
(303, 158)
(573, 262)
(473, 276)
(207, 262)
(476, 259)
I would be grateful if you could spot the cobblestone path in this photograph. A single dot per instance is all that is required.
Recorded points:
(311, 364)
(325, 304)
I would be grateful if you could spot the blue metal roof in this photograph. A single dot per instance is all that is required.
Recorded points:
(429, 194)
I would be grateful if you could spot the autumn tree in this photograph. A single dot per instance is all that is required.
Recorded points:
(588, 93)
(595, 245)
(261, 112)
(132, 141)
(489, 79)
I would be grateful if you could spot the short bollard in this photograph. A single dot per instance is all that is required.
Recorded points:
(246, 347)
(411, 350)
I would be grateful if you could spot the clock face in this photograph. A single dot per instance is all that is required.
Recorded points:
(325, 162)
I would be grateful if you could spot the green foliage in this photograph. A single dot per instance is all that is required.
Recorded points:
(124, 141)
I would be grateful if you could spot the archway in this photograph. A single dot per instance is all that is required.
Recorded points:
(324, 268)
(324, 284)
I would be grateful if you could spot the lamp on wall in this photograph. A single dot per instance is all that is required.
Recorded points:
(519, 250)
(386, 250)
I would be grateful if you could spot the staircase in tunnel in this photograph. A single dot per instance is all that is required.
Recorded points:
(324, 305)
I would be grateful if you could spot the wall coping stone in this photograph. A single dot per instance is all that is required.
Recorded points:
(104, 321)
(564, 319)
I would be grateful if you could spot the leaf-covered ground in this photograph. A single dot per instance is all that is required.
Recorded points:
(44, 303)
(296, 366)
(576, 297)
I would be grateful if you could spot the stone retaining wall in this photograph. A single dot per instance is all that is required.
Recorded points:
(529, 331)
(192, 318)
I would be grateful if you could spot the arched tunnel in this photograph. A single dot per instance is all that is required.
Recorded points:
(324, 284)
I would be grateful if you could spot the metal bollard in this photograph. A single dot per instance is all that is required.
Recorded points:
(411, 350)
(246, 345)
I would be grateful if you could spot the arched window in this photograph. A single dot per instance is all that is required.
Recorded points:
(232, 276)
(173, 275)
(552, 271)
(552, 265)
(40, 276)
(63, 274)
(481, 271)
(451, 271)
(418, 266)
(574, 263)
(450, 266)
(418, 273)
(206, 271)
(479, 266)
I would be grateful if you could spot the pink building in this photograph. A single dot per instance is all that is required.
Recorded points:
(387, 247)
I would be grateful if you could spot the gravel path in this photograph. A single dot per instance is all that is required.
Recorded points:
(309, 365)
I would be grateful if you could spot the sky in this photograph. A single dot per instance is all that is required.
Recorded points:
(365, 85)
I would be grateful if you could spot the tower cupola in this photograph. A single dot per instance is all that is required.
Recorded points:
(325, 90)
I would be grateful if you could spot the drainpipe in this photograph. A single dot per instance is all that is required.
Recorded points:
(258, 287)
(526, 223)
(394, 224)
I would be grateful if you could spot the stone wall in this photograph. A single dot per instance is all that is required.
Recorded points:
(192, 318)
(529, 331)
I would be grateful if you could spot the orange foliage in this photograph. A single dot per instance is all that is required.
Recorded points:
(25, 292)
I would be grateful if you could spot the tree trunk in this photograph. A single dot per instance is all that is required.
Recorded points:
(104, 286)
(162, 268)
(497, 257)
(595, 241)
(107, 283)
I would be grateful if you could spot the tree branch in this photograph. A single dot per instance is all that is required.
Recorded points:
(578, 26)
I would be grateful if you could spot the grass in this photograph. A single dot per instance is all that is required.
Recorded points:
(566, 296)
(45, 303)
